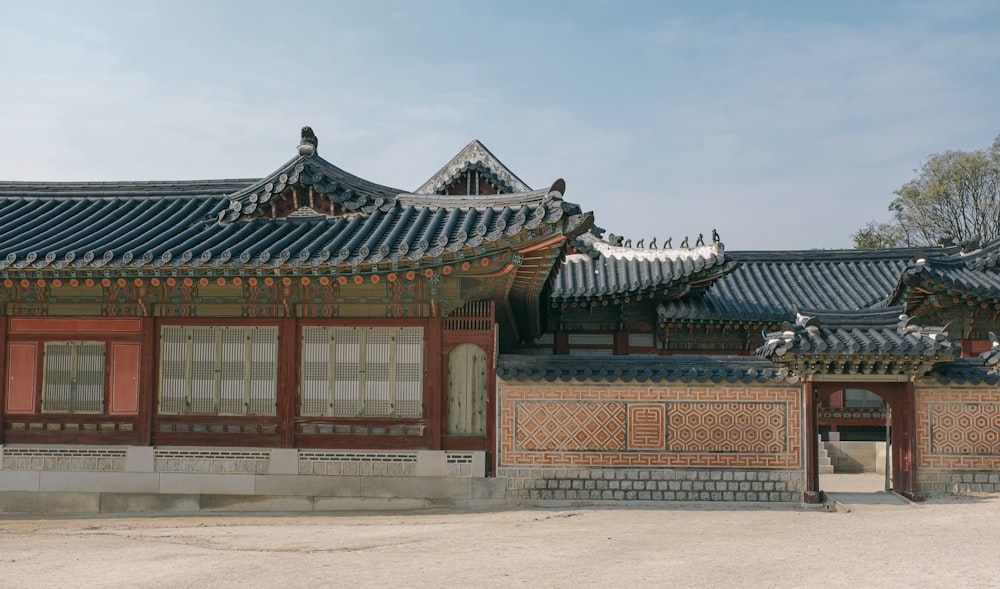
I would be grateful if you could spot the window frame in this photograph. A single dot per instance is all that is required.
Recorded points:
(75, 346)
(221, 362)
(414, 364)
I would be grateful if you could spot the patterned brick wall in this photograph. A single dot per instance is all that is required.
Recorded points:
(602, 425)
(958, 428)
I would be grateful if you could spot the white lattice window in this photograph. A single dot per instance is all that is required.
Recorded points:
(362, 371)
(215, 370)
(73, 380)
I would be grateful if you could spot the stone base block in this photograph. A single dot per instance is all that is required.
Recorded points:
(148, 503)
(653, 484)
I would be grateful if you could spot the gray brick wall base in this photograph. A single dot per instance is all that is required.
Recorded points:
(653, 484)
(937, 483)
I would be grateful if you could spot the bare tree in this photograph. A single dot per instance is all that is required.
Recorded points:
(955, 194)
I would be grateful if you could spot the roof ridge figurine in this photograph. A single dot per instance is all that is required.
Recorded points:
(310, 143)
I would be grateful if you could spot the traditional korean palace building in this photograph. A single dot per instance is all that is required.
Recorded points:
(311, 340)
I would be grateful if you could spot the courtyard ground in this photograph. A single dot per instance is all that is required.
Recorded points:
(941, 543)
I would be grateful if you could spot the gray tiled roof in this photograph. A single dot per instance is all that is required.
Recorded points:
(866, 342)
(983, 369)
(770, 286)
(89, 190)
(975, 273)
(607, 271)
(964, 371)
(637, 368)
(57, 225)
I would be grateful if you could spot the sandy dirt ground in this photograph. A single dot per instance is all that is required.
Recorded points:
(943, 543)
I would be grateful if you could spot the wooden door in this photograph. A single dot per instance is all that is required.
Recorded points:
(466, 409)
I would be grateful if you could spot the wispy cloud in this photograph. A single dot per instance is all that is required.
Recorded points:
(782, 128)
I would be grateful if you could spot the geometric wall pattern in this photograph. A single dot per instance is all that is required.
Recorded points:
(570, 426)
(646, 426)
(727, 427)
(958, 428)
(651, 426)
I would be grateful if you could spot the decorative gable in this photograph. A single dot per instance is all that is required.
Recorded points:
(308, 186)
(473, 171)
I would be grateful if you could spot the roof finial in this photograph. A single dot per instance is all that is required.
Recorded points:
(309, 143)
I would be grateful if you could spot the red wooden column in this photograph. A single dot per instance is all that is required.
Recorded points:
(434, 387)
(620, 343)
(148, 385)
(811, 493)
(904, 429)
(4, 326)
(560, 343)
(288, 378)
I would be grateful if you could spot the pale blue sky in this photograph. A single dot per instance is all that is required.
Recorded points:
(785, 125)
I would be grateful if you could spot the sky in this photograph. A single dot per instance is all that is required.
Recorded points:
(783, 125)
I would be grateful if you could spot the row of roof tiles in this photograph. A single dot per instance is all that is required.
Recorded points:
(702, 369)
(885, 333)
(964, 371)
(226, 222)
(137, 231)
(771, 286)
(974, 277)
(604, 270)
(697, 369)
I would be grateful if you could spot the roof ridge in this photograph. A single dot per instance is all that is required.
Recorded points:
(825, 255)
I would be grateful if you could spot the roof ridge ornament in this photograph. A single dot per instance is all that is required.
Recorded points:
(309, 144)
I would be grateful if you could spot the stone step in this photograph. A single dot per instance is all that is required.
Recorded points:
(825, 463)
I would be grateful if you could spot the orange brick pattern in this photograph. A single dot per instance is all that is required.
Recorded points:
(646, 429)
(728, 427)
(958, 428)
(547, 425)
(604, 425)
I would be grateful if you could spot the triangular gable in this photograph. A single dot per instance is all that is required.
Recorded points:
(473, 171)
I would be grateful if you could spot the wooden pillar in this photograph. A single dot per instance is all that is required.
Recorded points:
(620, 343)
(148, 385)
(434, 387)
(904, 458)
(911, 439)
(4, 326)
(288, 367)
(811, 493)
(560, 343)
(492, 414)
